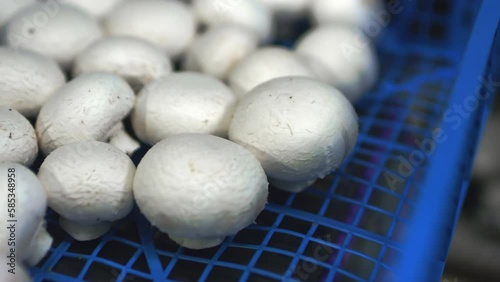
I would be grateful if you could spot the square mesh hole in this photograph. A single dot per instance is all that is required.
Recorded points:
(392, 181)
(352, 189)
(417, 122)
(219, 273)
(69, 266)
(324, 185)
(309, 271)
(384, 201)
(117, 252)
(331, 235)
(295, 224)
(83, 247)
(250, 236)
(375, 222)
(358, 265)
(381, 132)
(101, 272)
(389, 114)
(366, 156)
(127, 229)
(321, 252)
(273, 262)
(259, 278)
(365, 246)
(278, 196)
(341, 211)
(266, 218)
(284, 241)
(186, 271)
(308, 202)
(141, 264)
(241, 256)
(411, 138)
(360, 171)
(204, 253)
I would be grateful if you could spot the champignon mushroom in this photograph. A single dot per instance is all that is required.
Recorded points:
(86, 108)
(200, 188)
(170, 25)
(10, 8)
(97, 8)
(341, 56)
(21, 187)
(217, 50)
(183, 103)
(20, 275)
(300, 129)
(18, 143)
(27, 80)
(89, 184)
(263, 65)
(134, 59)
(250, 14)
(60, 32)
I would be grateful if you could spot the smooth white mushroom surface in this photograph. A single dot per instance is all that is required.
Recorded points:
(97, 8)
(250, 14)
(219, 49)
(89, 184)
(27, 80)
(18, 143)
(21, 274)
(32, 241)
(183, 103)
(357, 13)
(300, 129)
(10, 8)
(343, 57)
(86, 108)
(61, 35)
(263, 65)
(171, 25)
(200, 189)
(136, 60)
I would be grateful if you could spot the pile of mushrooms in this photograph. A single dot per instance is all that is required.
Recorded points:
(225, 114)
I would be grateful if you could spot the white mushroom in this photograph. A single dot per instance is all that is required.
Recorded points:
(97, 8)
(263, 65)
(217, 50)
(200, 189)
(342, 57)
(89, 184)
(250, 14)
(134, 59)
(299, 129)
(27, 80)
(86, 108)
(10, 8)
(171, 25)
(183, 103)
(18, 143)
(60, 32)
(20, 275)
(24, 200)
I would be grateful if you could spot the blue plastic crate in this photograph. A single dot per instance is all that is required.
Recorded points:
(376, 218)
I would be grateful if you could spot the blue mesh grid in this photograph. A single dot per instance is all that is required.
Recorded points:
(354, 224)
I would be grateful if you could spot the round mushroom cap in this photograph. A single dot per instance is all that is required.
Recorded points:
(299, 128)
(342, 57)
(356, 13)
(295, 7)
(198, 186)
(97, 8)
(183, 103)
(10, 8)
(30, 206)
(171, 25)
(134, 59)
(54, 30)
(18, 143)
(250, 14)
(27, 80)
(219, 49)
(84, 109)
(89, 182)
(263, 65)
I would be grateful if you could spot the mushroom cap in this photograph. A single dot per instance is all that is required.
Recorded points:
(198, 186)
(88, 182)
(347, 12)
(299, 128)
(134, 59)
(30, 206)
(97, 8)
(183, 103)
(21, 275)
(10, 8)
(295, 7)
(263, 65)
(18, 143)
(171, 25)
(86, 108)
(57, 31)
(27, 80)
(220, 48)
(250, 14)
(341, 56)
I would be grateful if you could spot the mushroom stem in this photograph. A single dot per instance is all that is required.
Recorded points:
(124, 142)
(40, 245)
(197, 243)
(84, 232)
(290, 186)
